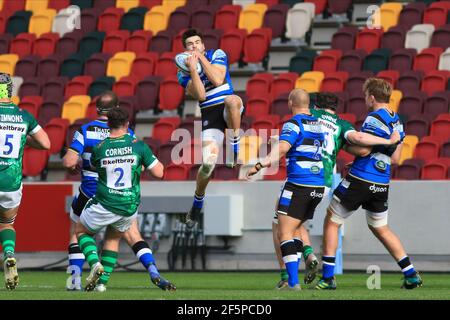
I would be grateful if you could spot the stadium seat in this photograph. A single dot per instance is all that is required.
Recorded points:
(11, 6)
(5, 40)
(327, 61)
(171, 94)
(149, 3)
(435, 81)
(227, 18)
(368, 39)
(426, 150)
(350, 117)
(310, 81)
(302, 61)
(180, 19)
(437, 13)
(444, 60)
(402, 60)
(258, 105)
(334, 81)
(91, 43)
(144, 65)
(249, 148)
(265, 124)
(175, 172)
(252, 16)
(342, 101)
(408, 146)
(427, 59)
(41, 22)
(120, 64)
(34, 161)
(50, 109)
(224, 173)
(46, 44)
(139, 41)
(18, 22)
(408, 171)
(280, 105)
(162, 42)
(165, 66)
(394, 38)
(440, 37)
(100, 85)
(394, 101)
(78, 86)
(109, 20)
(411, 104)
(232, 42)
(203, 17)
(53, 88)
(147, 92)
(411, 15)
(32, 104)
(339, 6)
(83, 4)
(96, 65)
(22, 44)
(58, 4)
(344, 39)
(27, 66)
(69, 44)
(125, 86)
(419, 37)
(57, 132)
(377, 60)
(357, 106)
(133, 20)
(445, 150)
(8, 63)
(434, 171)
(418, 126)
(275, 19)
(157, 19)
(299, 19)
(409, 82)
(89, 19)
(352, 61)
(30, 87)
(256, 46)
(115, 41)
(390, 76)
(389, 14)
(75, 108)
(126, 5)
(437, 104)
(211, 39)
(356, 80)
(440, 129)
(284, 83)
(319, 5)
(73, 66)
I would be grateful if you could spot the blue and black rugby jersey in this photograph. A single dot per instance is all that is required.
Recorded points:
(304, 159)
(376, 167)
(83, 142)
(214, 95)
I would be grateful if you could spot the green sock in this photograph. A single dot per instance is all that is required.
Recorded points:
(89, 248)
(109, 259)
(307, 250)
(8, 240)
(284, 275)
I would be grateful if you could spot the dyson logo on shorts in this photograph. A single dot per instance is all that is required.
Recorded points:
(376, 189)
(315, 194)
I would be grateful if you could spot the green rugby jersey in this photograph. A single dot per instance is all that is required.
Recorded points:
(334, 130)
(15, 125)
(119, 163)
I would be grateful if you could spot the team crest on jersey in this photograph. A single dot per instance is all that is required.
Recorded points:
(315, 169)
(380, 165)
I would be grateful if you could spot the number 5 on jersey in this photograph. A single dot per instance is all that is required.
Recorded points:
(9, 144)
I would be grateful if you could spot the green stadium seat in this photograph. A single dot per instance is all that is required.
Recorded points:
(72, 66)
(101, 85)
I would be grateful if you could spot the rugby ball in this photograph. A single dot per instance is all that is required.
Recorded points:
(180, 61)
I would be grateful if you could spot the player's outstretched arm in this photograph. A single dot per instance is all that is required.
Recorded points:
(366, 139)
(39, 140)
(157, 170)
(70, 161)
(357, 150)
(273, 157)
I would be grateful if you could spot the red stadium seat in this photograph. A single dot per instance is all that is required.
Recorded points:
(357, 106)
(49, 66)
(165, 66)
(144, 65)
(147, 93)
(408, 171)
(275, 19)
(440, 129)
(280, 105)
(78, 86)
(437, 104)
(418, 126)
(224, 173)
(57, 131)
(58, 4)
(171, 94)
(34, 161)
(327, 61)
(22, 44)
(96, 65)
(89, 19)
(427, 59)
(175, 172)
(227, 18)
(409, 82)
(258, 105)
(441, 37)
(402, 60)
(352, 61)
(437, 13)
(115, 41)
(50, 108)
(179, 19)
(369, 39)
(232, 42)
(426, 150)
(69, 43)
(162, 41)
(53, 88)
(390, 76)
(139, 41)
(258, 84)
(11, 6)
(435, 81)
(434, 171)
(319, 5)
(32, 104)
(126, 86)
(350, 117)
(285, 82)
(162, 130)
(165, 153)
(31, 87)
(411, 15)
(411, 104)
(27, 67)
(344, 39)
(256, 45)
(110, 19)
(394, 38)
(266, 123)
(203, 17)
(149, 3)
(334, 81)
(356, 80)
(46, 44)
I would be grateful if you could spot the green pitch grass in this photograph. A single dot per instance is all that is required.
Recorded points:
(224, 286)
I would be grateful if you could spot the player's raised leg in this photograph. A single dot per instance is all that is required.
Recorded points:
(210, 150)
(233, 110)
(8, 241)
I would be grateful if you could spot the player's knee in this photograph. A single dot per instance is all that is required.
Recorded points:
(377, 221)
(233, 102)
(335, 218)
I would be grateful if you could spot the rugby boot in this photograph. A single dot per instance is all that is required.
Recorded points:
(10, 270)
(96, 272)
(162, 283)
(192, 217)
(326, 284)
(311, 269)
(294, 288)
(281, 284)
(411, 282)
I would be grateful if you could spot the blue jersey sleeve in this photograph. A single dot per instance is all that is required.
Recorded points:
(375, 125)
(290, 132)
(183, 78)
(131, 133)
(219, 57)
(77, 144)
